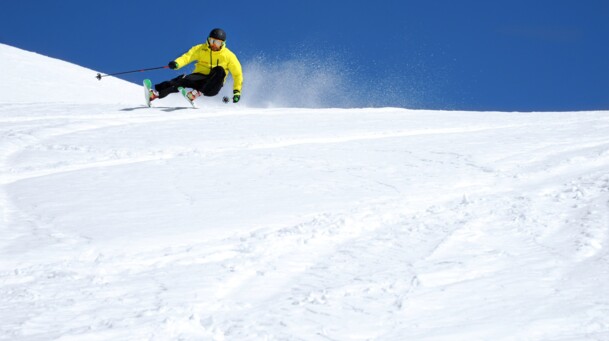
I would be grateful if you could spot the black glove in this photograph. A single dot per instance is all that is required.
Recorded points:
(236, 96)
(173, 65)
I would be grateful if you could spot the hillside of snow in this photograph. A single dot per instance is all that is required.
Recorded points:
(228, 222)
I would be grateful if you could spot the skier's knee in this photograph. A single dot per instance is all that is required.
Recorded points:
(211, 91)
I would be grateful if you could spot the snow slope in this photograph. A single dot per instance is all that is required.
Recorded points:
(121, 222)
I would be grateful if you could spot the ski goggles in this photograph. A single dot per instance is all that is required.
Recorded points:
(215, 42)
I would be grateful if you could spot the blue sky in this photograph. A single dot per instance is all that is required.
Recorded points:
(512, 55)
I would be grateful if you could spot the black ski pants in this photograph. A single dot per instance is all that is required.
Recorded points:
(209, 85)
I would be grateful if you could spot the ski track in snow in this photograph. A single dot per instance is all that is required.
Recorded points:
(270, 224)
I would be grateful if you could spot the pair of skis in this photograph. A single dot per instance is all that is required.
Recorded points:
(148, 87)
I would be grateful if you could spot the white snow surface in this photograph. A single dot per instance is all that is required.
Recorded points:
(121, 222)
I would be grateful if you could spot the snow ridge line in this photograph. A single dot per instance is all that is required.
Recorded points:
(8, 178)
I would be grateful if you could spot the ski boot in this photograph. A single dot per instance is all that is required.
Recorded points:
(193, 94)
(153, 95)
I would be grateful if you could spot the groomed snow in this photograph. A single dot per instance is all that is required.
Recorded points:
(120, 222)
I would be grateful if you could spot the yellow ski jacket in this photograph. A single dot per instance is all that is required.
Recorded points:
(208, 59)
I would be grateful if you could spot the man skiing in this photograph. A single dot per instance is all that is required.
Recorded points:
(214, 61)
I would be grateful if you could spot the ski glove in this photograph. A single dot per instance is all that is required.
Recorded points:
(236, 96)
(173, 65)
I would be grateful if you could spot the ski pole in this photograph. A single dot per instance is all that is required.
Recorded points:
(99, 75)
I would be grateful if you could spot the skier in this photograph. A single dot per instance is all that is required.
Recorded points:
(214, 61)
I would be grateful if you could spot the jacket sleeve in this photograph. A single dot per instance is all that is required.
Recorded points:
(187, 57)
(235, 69)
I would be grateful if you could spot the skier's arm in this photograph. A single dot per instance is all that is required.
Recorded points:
(186, 58)
(235, 69)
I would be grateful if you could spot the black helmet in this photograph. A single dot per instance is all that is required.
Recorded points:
(218, 33)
